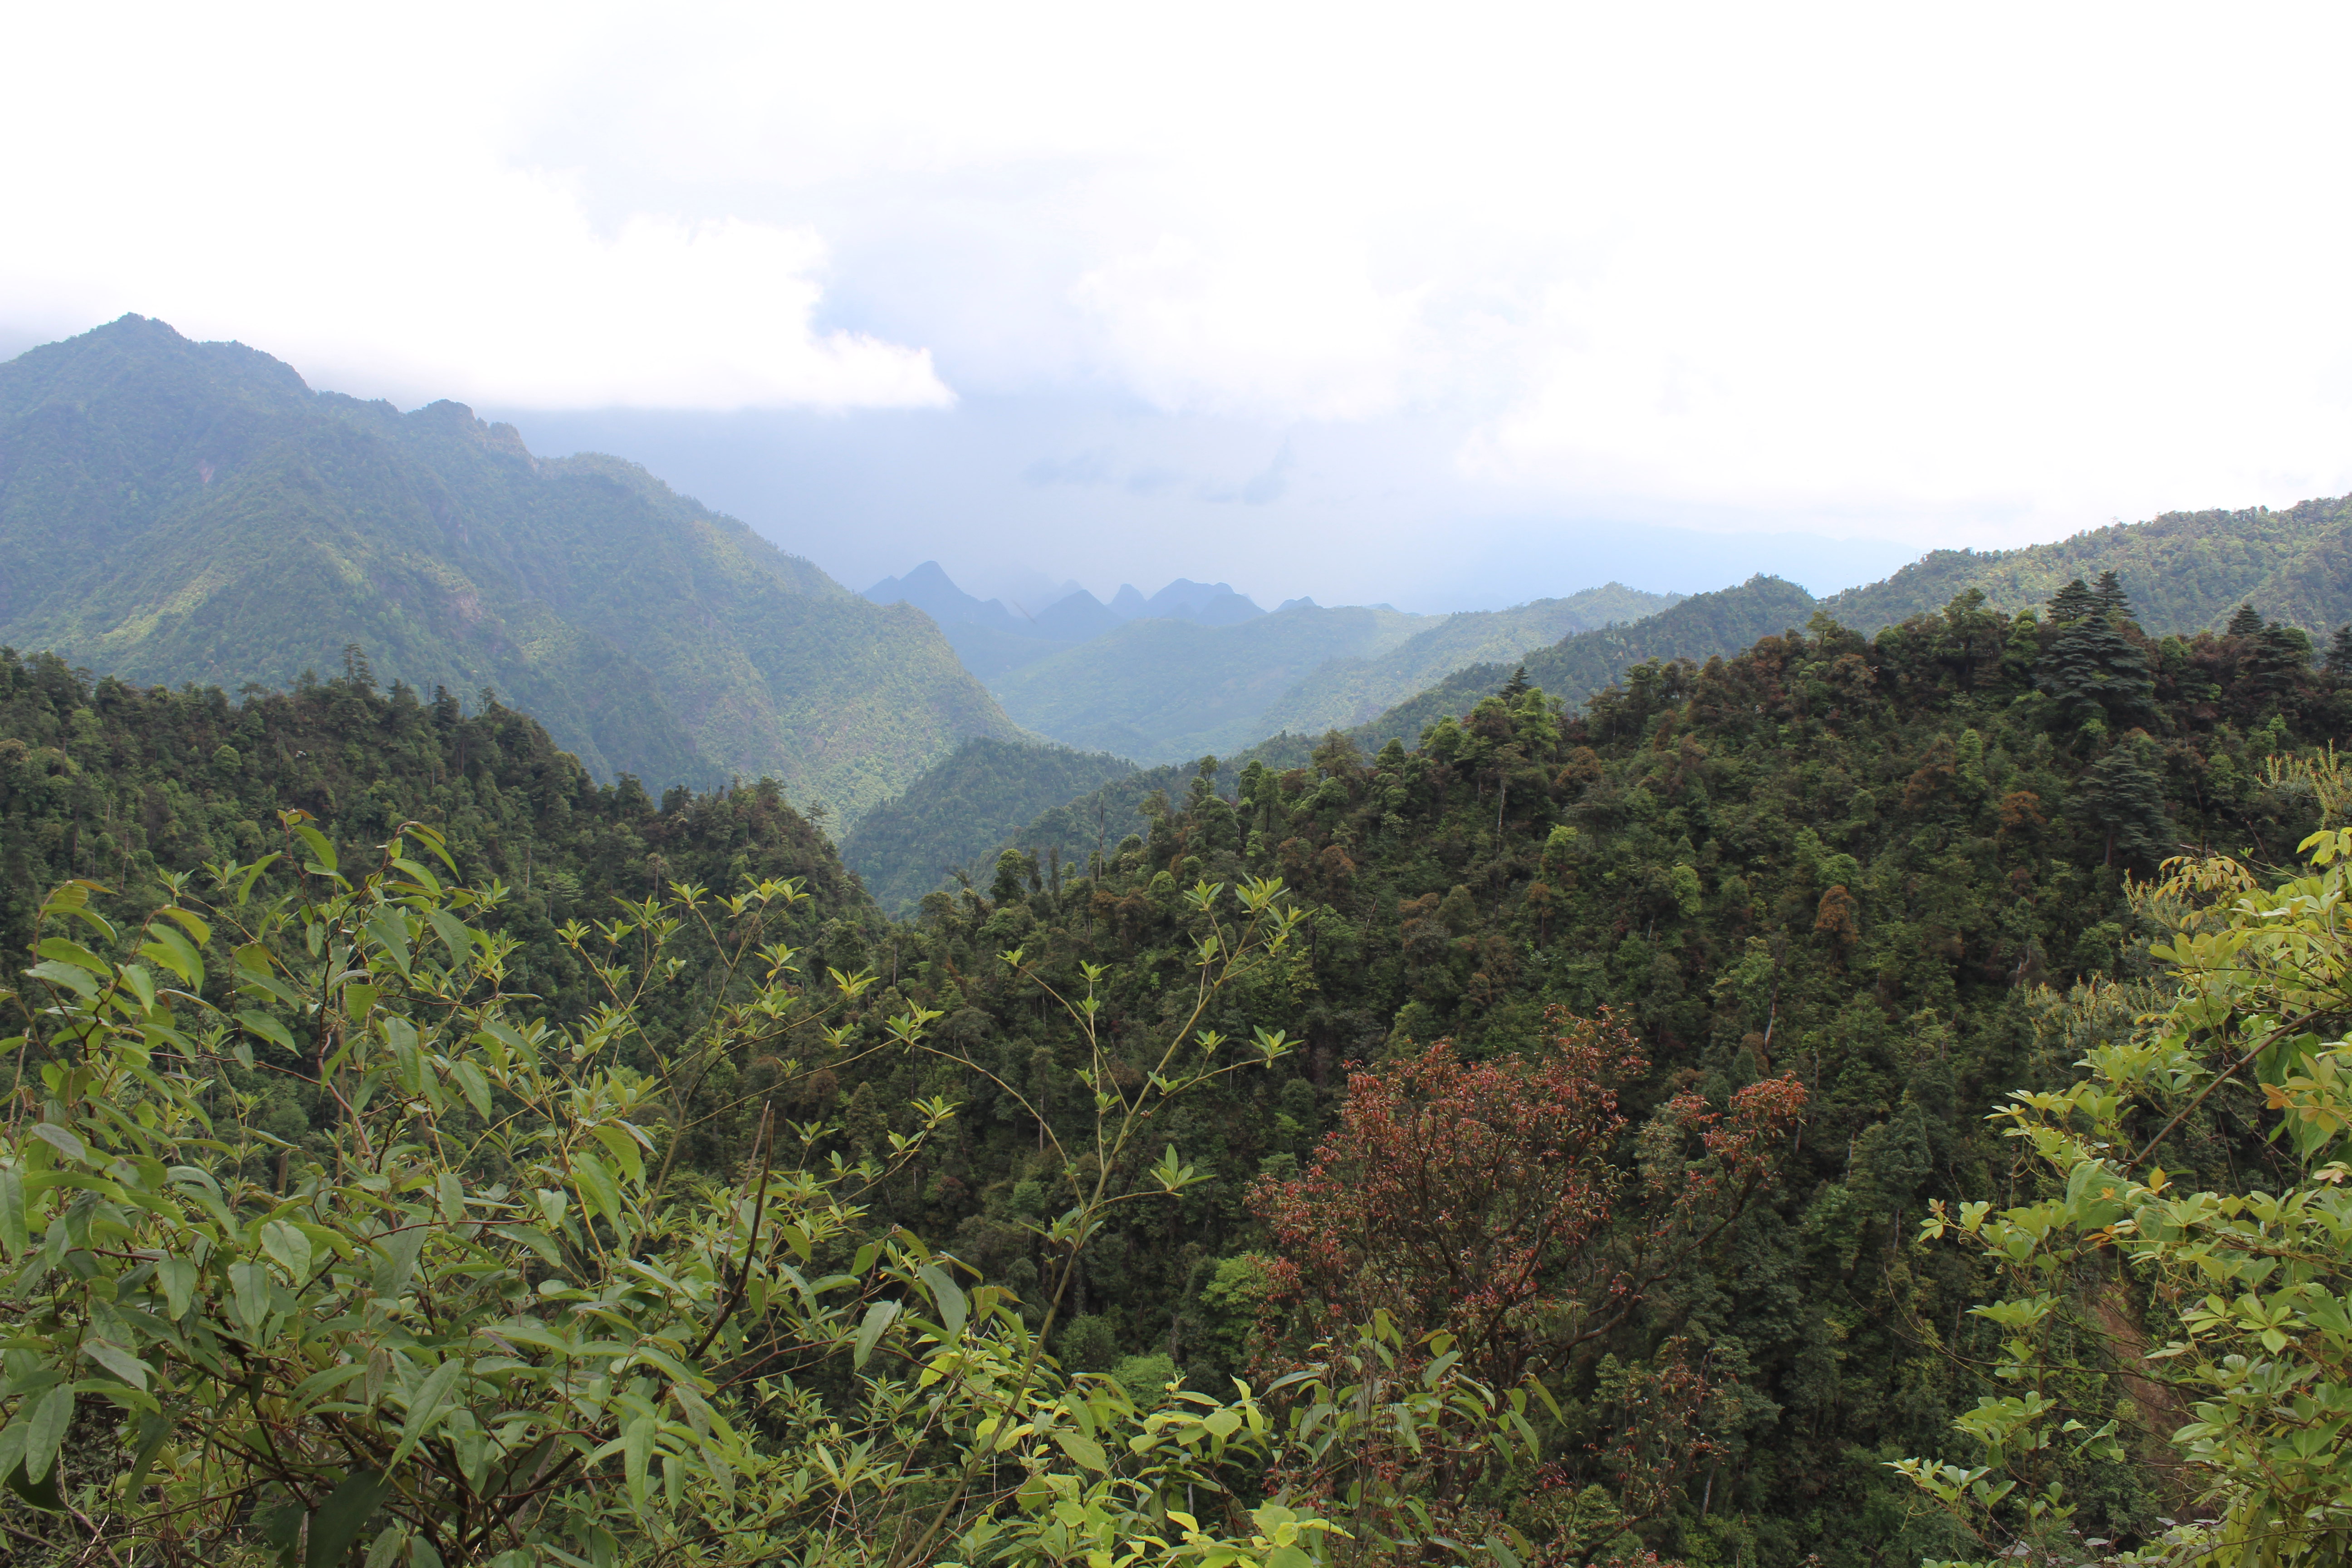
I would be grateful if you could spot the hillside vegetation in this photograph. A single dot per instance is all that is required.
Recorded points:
(1704, 626)
(175, 511)
(1673, 1016)
(2185, 571)
(1350, 690)
(952, 818)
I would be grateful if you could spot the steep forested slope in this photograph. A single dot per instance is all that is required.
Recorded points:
(2186, 570)
(953, 817)
(1860, 860)
(1159, 688)
(174, 511)
(1350, 690)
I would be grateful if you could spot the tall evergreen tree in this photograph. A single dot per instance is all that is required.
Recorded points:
(2124, 793)
(2089, 664)
(2074, 602)
(2244, 624)
(2108, 599)
(2339, 651)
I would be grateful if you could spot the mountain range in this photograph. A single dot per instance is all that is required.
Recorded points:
(175, 511)
(992, 637)
(2184, 573)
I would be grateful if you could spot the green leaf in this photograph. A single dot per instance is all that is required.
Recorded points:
(153, 1428)
(42, 1494)
(12, 1213)
(117, 1360)
(197, 930)
(397, 1259)
(598, 1193)
(476, 1087)
(73, 952)
(269, 1028)
(250, 1293)
(869, 1332)
(637, 1445)
(953, 1309)
(623, 1150)
(426, 1409)
(45, 1429)
(337, 1522)
(58, 1138)
(451, 1194)
(537, 1240)
(171, 950)
(289, 1246)
(1085, 1450)
(392, 932)
(453, 934)
(321, 849)
(253, 873)
(64, 974)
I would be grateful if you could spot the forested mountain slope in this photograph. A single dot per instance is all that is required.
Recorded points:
(1856, 859)
(1349, 690)
(118, 783)
(1159, 688)
(2185, 571)
(1702, 626)
(1870, 866)
(953, 817)
(174, 511)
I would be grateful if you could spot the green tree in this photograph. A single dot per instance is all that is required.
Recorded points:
(490, 1326)
(2259, 1277)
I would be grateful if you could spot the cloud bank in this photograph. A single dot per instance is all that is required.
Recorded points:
(1954, 277)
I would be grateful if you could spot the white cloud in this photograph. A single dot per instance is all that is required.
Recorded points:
(2009, 269)
(348, 196)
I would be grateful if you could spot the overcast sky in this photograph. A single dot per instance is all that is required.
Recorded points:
(1442, 306)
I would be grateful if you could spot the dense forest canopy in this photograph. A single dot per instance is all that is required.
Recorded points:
(1773, 930)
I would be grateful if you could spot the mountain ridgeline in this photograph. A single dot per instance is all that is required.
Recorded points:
(173, 511)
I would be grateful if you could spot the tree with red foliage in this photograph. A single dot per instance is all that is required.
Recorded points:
(1490, 1200)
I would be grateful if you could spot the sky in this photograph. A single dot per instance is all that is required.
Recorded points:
(1443, 307)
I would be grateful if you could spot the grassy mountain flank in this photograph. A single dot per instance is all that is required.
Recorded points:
(2185, 571)
(1159, 689)
(173, 511)
(953, 817)
(1349, 691)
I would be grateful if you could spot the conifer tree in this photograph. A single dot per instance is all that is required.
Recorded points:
(2108, 599)
(2339, 651)
(2124, 793)
(2244, 624)
(2073, 602)
(2090, 666)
